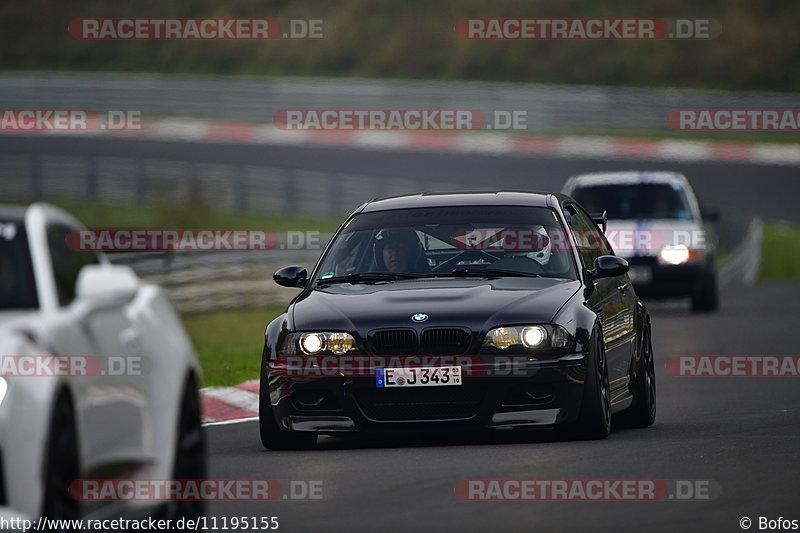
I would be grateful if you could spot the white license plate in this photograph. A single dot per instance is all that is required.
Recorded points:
(425, 376)
(641, 274)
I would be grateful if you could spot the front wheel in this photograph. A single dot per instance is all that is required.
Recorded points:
(594, 420)
(62, 464)
(705, 297)
(642, 413)
(190, 452)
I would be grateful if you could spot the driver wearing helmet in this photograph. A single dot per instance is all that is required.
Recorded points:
(399, 250)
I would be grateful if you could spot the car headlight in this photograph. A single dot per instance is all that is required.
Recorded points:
(312, 343)
(3, 389)
(678, 254)
(534, 337)
(317, 342)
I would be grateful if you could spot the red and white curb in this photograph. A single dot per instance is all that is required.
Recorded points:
(492, 143)
(220, 405)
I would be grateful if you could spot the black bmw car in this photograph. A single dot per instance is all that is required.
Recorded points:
(488, 310)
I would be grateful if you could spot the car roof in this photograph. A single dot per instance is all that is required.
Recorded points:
(442, 199)
(630, 177)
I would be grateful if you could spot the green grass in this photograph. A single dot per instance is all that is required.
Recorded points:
(780, 251)
(229, 343)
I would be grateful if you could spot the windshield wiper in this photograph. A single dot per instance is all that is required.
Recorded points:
(368, 276)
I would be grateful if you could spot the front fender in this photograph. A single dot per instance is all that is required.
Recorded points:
(273, 336)
(578, 319)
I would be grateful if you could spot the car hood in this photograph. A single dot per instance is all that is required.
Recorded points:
(477, 304)
(652, 234)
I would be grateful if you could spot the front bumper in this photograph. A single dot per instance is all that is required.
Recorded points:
(496, 393)
(652, 279)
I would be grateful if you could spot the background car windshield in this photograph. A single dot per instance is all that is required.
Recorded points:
(17, 288)
(641, 201)
(527, 240)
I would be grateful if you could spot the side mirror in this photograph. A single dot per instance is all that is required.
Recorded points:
(291, 276)
(97, 280)
(608, 266)
(709, 214)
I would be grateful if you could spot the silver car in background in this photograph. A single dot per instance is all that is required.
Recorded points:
(654, 221)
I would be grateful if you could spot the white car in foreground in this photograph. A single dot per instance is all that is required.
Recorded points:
(654, 221)
(98, 379)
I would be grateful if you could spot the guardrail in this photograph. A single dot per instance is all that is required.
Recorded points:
(257, 99)
(744, 262)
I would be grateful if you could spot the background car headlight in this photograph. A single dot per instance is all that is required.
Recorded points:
(3, 389)
(539, 337)
(674, 255)
(679, 254)
(318, 342)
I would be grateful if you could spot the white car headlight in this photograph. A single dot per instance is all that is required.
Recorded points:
(674, 255)
(678, 254)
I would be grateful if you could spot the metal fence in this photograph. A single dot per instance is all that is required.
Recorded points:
(256, 99)
(239, 188)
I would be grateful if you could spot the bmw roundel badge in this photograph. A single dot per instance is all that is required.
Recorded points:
(419, 317)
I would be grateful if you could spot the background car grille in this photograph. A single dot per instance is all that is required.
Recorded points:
(395, 342)
(444, 341)
(417, 403)
(434, 341)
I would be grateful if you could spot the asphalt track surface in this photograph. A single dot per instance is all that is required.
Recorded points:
(739, 190)
(742, 435)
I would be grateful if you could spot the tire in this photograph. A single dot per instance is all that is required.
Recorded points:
(706, 297)
(190, 452)
(594, 419)
(62, 463)
(273, 437)
(642, 413)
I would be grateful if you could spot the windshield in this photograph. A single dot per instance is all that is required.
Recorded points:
(17, 288)
(444, 241)
(639, 201)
